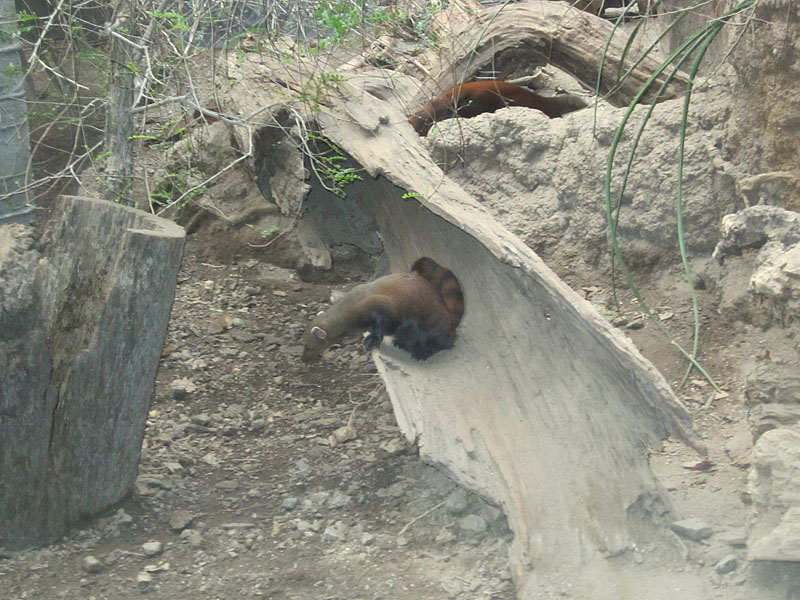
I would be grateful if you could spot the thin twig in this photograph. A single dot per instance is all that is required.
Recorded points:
(422, 516)
(35, 52)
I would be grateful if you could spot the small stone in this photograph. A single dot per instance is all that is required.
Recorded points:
(289, 503)
(726, 564)
(203, 420)
(175, 468)
(192, 536)
(303, 526)
(237, 526)
(122, 517)
(694, 529)
(456, 502)
(233, 411)
(318, 499)
(153, 548)
(198, 364)
(367, 539)
(401, 541)
(180, 520)
(182, 388)
(472, 524)
(445, 536)
(143, 581)
(342, 435)
(335, 533)
(230, 431)
(90, 564)
(733, 537)
(393, 447)
(339, 500)
(210, 459)
(227, 486)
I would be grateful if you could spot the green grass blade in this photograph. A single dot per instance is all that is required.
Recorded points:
(699, 42)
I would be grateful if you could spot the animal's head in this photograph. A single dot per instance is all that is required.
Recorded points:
(421, 122)
(315, 341)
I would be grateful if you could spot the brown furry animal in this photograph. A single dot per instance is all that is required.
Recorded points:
(407, 306)
(476, 97)
(445, 282)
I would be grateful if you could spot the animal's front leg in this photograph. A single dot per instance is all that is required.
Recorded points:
(377, 330)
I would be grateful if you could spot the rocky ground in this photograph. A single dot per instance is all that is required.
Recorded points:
(264, 477)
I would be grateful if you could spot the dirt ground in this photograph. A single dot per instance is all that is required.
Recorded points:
(242, 486)
(265, 477)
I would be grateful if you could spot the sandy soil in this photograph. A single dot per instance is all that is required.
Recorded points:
(242, 486)
(264, 477)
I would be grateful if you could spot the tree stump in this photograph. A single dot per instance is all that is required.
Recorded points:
(84, 314)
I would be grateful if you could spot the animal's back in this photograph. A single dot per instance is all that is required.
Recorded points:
(410, 296)
(408, 307)
(477, 97)
(445, 283)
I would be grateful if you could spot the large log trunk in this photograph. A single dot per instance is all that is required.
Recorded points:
(554, 33)
(81, 331)
(542, 405)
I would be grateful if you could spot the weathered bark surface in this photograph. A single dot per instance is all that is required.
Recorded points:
(81, 331)
(556, 34)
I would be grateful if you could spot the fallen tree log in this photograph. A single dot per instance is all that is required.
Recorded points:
(499, 38)
(541, 406)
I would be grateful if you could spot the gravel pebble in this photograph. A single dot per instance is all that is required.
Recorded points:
(152, 548)
(90, 564)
